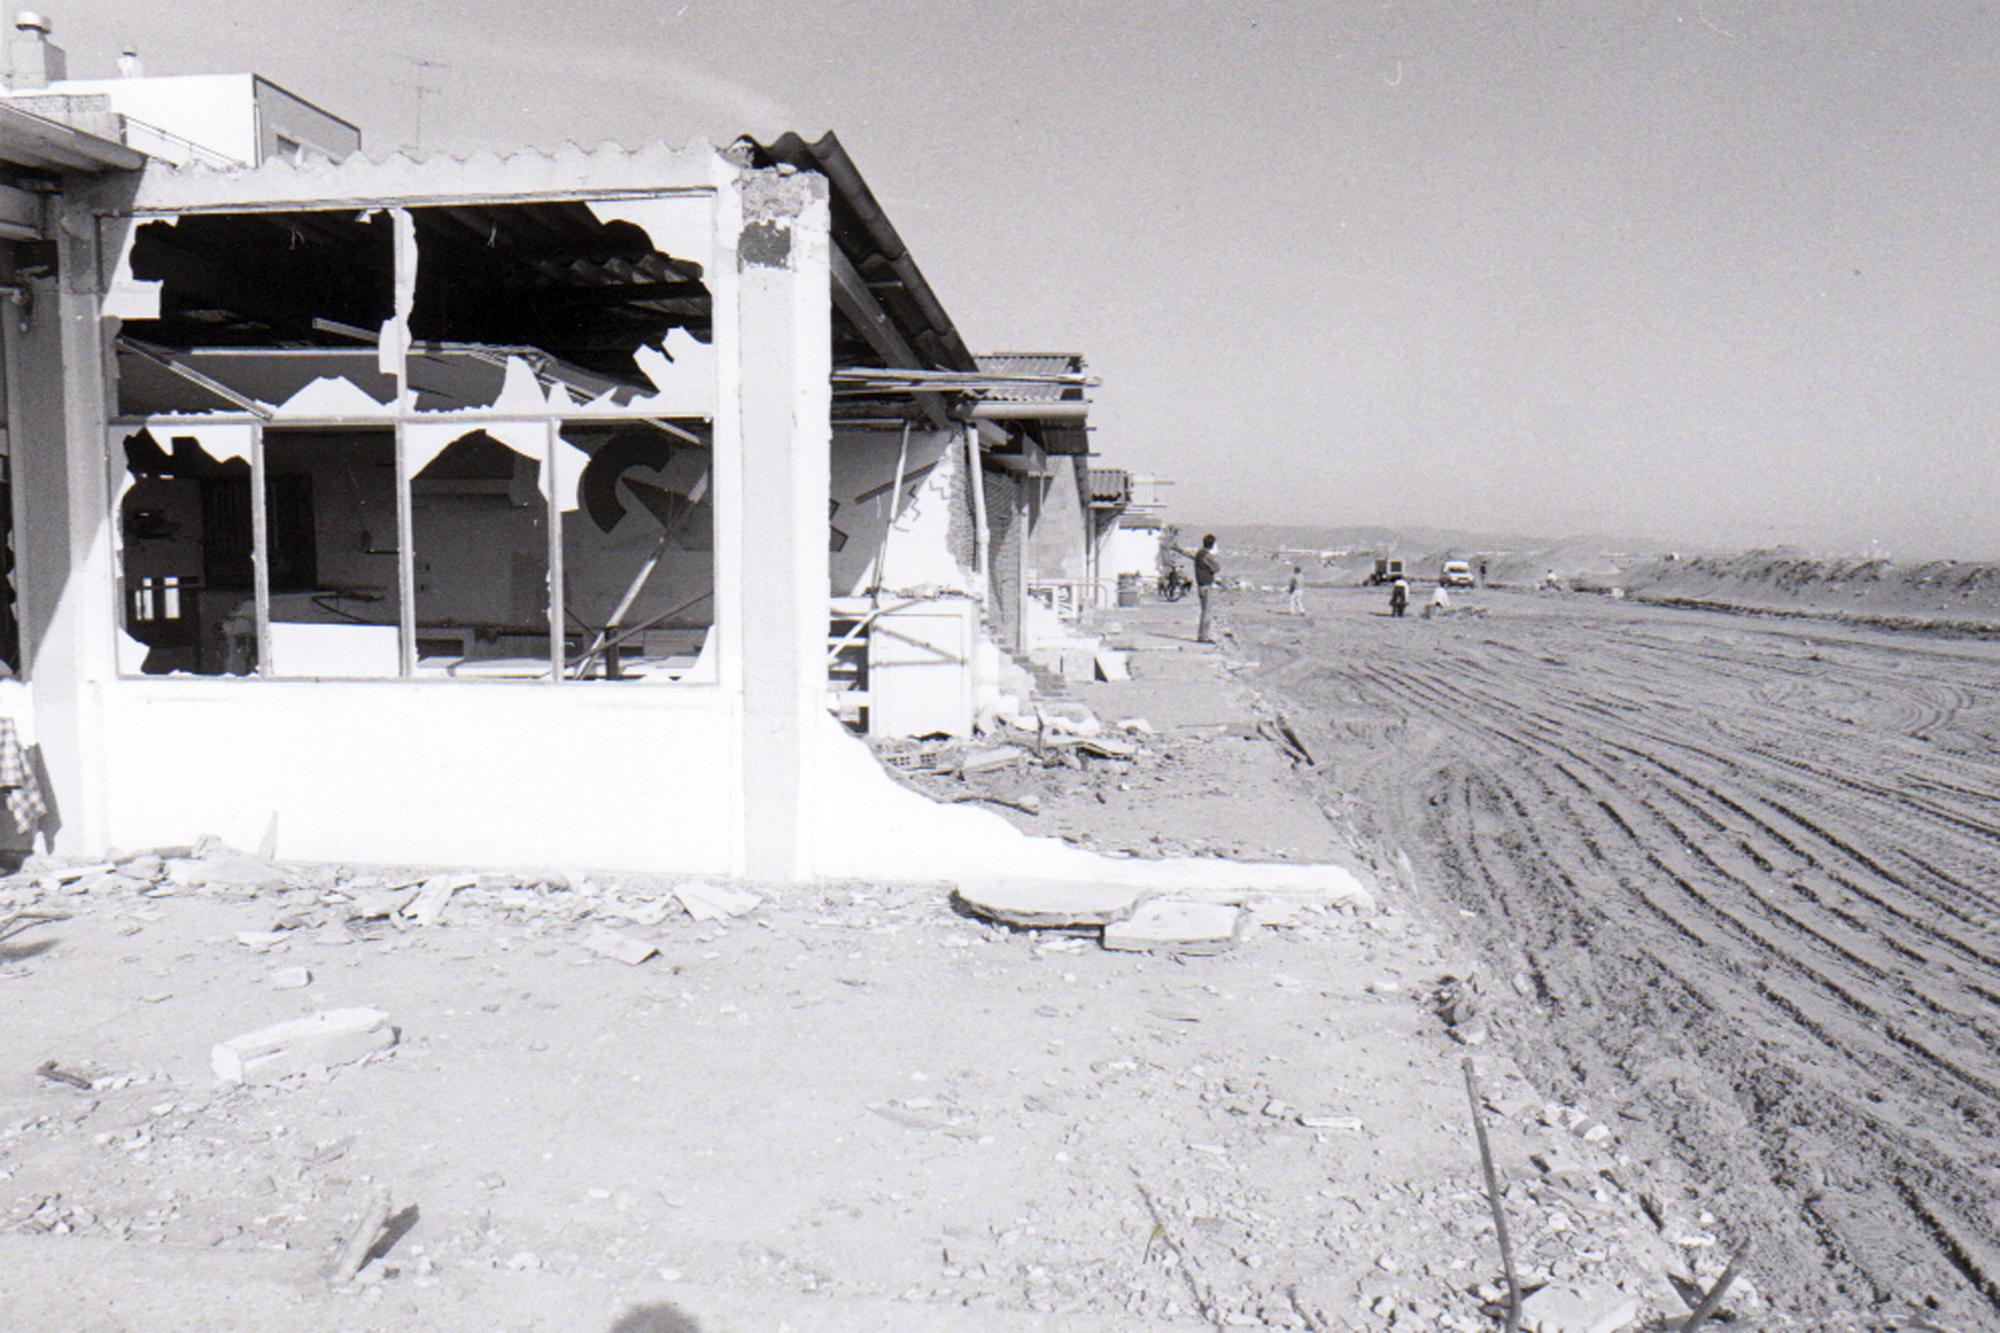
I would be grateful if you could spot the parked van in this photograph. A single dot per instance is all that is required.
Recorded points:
(1456, 574)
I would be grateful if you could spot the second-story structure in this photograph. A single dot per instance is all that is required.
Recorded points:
(216, 120)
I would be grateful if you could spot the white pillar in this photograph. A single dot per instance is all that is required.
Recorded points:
(61, 478)
(785, 336)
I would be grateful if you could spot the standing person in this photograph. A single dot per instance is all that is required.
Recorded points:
(1205, 567)
(1295, 596)
(1482, 573)
(1399, 596)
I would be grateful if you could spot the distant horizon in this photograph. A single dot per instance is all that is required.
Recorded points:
(1445, 535)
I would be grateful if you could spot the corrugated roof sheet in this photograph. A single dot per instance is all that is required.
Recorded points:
(870, 241)
(1032, 363)
(1110, 484)
(402, 176)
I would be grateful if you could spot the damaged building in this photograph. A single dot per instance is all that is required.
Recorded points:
(569, 508)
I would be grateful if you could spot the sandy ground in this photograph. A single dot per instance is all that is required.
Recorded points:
(851, 1108)
(1745, 872)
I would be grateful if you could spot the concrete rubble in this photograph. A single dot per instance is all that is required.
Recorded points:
(323, 1041)
(1559, 1309)
(710, 902)
(1047, 903)
(1177, 926)
(1258, 1247)
(624, 948)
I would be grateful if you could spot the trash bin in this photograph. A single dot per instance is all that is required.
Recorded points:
(1128, 590)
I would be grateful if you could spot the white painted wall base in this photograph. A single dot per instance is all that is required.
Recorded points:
(872, 828)
(507, 776)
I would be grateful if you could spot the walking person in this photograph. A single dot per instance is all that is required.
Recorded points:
(1205, 568)
(1295, 595)
(1399, 596)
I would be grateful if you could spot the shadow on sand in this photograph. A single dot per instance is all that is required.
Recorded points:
(656, 1317)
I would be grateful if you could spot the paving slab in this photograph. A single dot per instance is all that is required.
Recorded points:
(1041, 902)
(1177, 925)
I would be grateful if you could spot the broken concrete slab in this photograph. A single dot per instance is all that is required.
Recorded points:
(708, 902)
(1556, 1309)
(334, 1037)
(373, 904)
(1104, 747)
(1177, 925)
(626, 949)
(1043, 902)
(235, 871)
(427, 908)
(291, 978)
(982, 761)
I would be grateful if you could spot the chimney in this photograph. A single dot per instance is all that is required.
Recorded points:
(34, 60)
(129, 66)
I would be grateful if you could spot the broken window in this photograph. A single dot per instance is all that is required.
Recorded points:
(587, 299)
(232, 312)
(484, 433)
(330, 518)
(638, 550)
(185, 531)
(479, 521)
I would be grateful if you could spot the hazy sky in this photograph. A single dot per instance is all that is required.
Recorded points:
(1720, 271)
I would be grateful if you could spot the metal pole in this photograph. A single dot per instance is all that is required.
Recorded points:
(558, 653)
(260, 547)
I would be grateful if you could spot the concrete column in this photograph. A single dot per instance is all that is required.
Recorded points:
(1024, 641)
(785, 335)
(69, 590)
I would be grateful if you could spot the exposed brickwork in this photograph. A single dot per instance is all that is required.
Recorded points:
(1004, 551)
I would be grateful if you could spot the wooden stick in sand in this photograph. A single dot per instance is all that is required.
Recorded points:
(1493, 1196)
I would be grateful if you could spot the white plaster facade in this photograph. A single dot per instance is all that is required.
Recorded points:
(715, 777)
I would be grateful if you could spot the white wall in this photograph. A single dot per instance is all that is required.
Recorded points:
(908, 544)
(1131, 551)
(217, 111)
(451, 772)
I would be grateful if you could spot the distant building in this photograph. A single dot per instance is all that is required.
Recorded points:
(218, 120)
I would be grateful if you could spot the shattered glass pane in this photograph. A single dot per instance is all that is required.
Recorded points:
(185, 542)
(480, 533)
(280, 310)
(638, 550)
(330, 514)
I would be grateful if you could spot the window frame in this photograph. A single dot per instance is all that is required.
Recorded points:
(398, 416)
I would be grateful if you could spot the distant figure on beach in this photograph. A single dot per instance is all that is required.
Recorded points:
(1439, 604)
(1482, 573)
(1550, 582)
(1399, 596)
(1295, 594)
(1205, 568)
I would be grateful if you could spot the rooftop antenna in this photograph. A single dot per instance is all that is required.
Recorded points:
(424, 66)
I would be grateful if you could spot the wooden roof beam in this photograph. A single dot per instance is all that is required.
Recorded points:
(853, 299)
